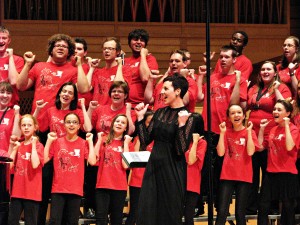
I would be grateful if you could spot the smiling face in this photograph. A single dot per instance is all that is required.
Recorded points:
(169, 95)
(267, 73)
(118, 96)
(120, 125)
(136, 44)
(72, 124)
(28, 127)
(66, 96)
(236, 115)
(4, 42)
(5, 98)
(279, 112)
(60, 51)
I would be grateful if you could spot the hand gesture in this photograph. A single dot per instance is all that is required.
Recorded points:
(144, 52)
(276, 84)
(13, 139)
(127, 139)
(52, 136)
(249, 126)
(93, 105)
(183, 116)
(196, 137)
(237, 76)
(34, 139)
(184, 72)
(212, 54)
(128, 106)
(29, 57)
(119, 60)
(264, 123)
(82, 102)
(17, 109)
(10, 52)
(40, 104)
(77, 60)
(140, 110)
(292, 67)
(222, 127)
(286, 121)
(94, 63)
(155, 74)
(89, 137)
(202, 70)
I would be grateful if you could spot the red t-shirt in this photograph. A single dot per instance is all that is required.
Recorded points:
(193, 92)
(103, 79)
(4, 64)
(111, 173)
(194, 171)
(237, 164)
(137, 87)
(6, 128)
(137, 174)
(48, 78)
(263, 109)
(53, 119)
(279, 159)
(68, 163)
(27, 182)
(103, 116)
(221, 87)
(242, 64)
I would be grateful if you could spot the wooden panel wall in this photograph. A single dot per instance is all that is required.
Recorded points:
(264, 40)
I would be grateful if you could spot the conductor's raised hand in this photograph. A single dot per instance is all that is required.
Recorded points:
(140, 110)
(183, 116)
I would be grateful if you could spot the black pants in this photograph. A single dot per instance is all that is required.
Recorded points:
(109, 202)
(191, 199)
(134, 193)
(90, 178)
(64, 205)
(226, 190)
(17, 205)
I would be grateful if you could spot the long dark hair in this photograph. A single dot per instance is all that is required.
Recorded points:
(73, 104)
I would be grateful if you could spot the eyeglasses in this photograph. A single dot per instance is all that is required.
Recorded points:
(117, 91)
(288, 45)
(71, 122)
(108, 48)
(60, 46)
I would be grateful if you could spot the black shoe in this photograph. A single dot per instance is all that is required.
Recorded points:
(90, 214)
(199, 212)
(274, 212)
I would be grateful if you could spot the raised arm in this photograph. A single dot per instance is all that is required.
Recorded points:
(202, 74)
(144, 69)
(250, 142)
(93, 105)
(23, 82)
(148, 94)
(13, 149)
(52, 136)
(82, 82)
(119, 74)
(127, 140)
(98, 145)
(35, 160)
(16, 129)
(12, 70)
(193, 151)
(289, 142)
(221, 142)
(130, 122)
(92, 155)
(39, 105)
(93, 63)
(260, 137)
(87, 125)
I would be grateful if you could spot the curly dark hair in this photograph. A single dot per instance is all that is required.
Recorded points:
(138, 33)
(61, 37)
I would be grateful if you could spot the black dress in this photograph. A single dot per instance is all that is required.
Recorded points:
(162, 194)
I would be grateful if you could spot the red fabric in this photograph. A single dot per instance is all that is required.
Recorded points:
(6, 128)
(27, 182)
(111, 173)
(54, 119)
(68, 162)
(137, 87)
(102, 80)
(4, 64)
(194, 171)
(279, 159)
(137, 174)
(220, 93)
(237, 164)
(48, 78)
(285, 77)
(242, 64)
(103, 116)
